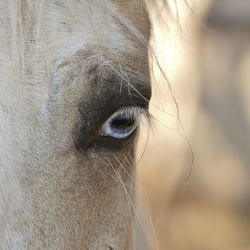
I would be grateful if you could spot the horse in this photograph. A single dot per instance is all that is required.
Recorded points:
(74, 86)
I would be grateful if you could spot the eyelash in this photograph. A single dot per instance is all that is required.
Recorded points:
(123, 130)
(132, 111)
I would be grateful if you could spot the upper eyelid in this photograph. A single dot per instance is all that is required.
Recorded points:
(135, 110)
(128, 112)
(140, 111)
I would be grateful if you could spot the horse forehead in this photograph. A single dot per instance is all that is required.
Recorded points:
(136, 11)
(75, 25)
(94, 19)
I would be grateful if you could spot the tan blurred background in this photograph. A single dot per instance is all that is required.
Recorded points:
(204, 48)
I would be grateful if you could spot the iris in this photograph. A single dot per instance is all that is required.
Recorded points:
(121, 124)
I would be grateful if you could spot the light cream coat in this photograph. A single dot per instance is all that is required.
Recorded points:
(62, 65)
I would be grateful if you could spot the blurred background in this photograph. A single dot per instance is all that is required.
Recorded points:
(203, 46)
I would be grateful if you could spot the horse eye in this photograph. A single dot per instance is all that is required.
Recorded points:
(121, 124)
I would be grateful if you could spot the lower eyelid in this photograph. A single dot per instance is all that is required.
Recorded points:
(122, 136)
(111, 133)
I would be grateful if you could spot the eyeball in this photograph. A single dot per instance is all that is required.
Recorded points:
(121, 124)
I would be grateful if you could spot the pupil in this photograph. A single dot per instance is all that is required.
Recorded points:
(122, 122)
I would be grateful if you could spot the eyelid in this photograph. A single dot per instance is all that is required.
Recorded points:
(130, 112)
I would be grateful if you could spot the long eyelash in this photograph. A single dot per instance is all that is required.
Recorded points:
(142, 113)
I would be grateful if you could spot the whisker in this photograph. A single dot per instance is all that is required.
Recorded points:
(134, 209)
(137, 91)
(148, 209)
(128, 199)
